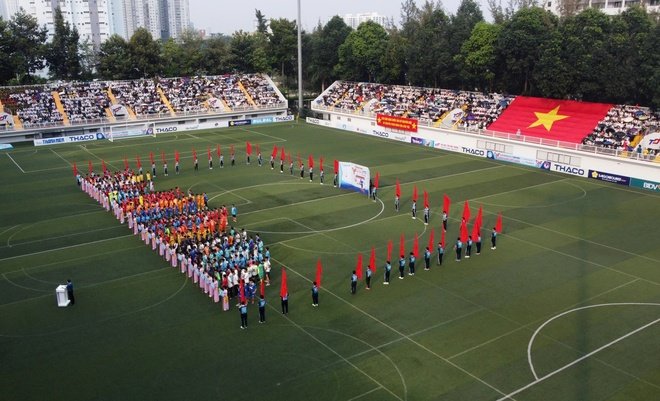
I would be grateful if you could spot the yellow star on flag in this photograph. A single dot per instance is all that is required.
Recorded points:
(547, 119)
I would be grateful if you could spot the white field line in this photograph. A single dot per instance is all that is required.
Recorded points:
(365, 393)
(60, 156)
(66, 247)
(12, 159)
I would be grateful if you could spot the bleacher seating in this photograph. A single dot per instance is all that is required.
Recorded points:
(84, 101)
(623, 127)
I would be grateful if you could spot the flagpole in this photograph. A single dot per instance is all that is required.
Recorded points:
(300, 94)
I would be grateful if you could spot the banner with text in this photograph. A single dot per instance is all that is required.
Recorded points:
(354, 177)
(400, 123)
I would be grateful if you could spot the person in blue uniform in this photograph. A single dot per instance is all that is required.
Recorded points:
(458, 247)
(411, 264)
(262, 309)
(69, 292)
(427, 259)
(493, 239)
(402, 266)
(243, 310)
(234, 212)
(354, 279)
(414, 209)
(388, 269)
(478, 244)
(427, 214)
(369, 278)
(444, 220)
(468, 247)
(315, 294)
(441, 253)
(285, 303)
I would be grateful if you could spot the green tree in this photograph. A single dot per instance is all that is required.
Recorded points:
(191, 46)
(520, 44)
(27, 42)
(393, 59)
(114, 59)
(173, 58)
(6, 70)
(467, 16)
(324, 56)
(89, 60)
(551, 76)
(144, 55)
(477, 59)
(62, 53)
(429, 57)
(262, 22)
(283, 45)
(649, 73)
(215, 55)
(360, 54)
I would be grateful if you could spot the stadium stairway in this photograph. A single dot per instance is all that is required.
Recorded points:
(113, 100)
(165, 101)
(60, 107)
(247, 95)
(111, 116)
(17, 122)
(637, 139)
(111, 96)
(224, 103)
(437, 123)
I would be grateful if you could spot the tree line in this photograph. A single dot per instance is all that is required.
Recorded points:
(588, 55)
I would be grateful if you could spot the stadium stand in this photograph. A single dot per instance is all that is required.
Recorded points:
(623, 128)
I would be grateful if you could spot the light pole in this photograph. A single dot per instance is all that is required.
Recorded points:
(300, 93)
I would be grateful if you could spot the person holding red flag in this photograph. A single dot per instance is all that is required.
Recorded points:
(321, 172)
(468, 247)
(221, 157)
(402, 266)
(290, 163)
(414, 203)
(458, 247)
(176, 162)
(139, 165)
(260, 159)
(243, 311)
(336, 179)
(262, 309)
(397, 195)
(317, 283)
(153, 164)
(310, 162)
(374, 191)
(411, 264)
(493, 239)
(446, 203)
(388, 269)
(282, 157)
(248, 151)
(209, 156)
(233, 155)
(195, 160)
(354, 279)
(427, 210)
(284, 294)
(272, 157)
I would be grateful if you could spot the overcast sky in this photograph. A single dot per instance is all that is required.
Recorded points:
(228, 16)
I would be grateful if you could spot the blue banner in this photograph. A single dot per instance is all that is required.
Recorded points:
(607, 177)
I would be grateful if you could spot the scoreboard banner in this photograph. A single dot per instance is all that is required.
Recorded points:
(400, 123)
(354, 177)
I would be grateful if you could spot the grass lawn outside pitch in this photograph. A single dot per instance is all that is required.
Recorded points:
(573, 247)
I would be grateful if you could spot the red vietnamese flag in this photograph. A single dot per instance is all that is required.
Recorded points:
(432, 239)
(414, 197)
(466, 211)
(358, 267)
(426, 199)
(464, 231)
(446, 203)
(310, 161)
(262, 288)
(321, 163)
(479, 219)
(415, 249)
(125, 163)
(284, 290)
(376, 179)
(442, 238)
(248, 148)
(389, 250)
(282, 154)
(319, 273)
(138, 162)
(177, 156)
(402, 245)
(372, 260)
(208, 153)
(563, 120)
(476, 229)
(397, 189)
(90, 167)
(105, 169)
(151, 157)
(75, 169)
(498, 223)
(336, 166)
(241, 292)
(273, 154)
(218, 151)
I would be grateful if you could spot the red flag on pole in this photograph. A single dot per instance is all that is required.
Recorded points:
(319, 273)
(282, 154)
(372, 260)
(415, 250)
(241, 292)
(289, 157)
(310, 161)
(466, 211)
(248, 148)
(432, 239)
(262, 288)
(442, 238)
(478, 221)
(208, 152)
(446, 203)
(151, 157)
(218, 151)
(376, 179)
(125, 163)
(138, 162)
(397, 189)
(464, 232)
(299, 159)
(336, 166)
(402, 245)
(358, 268)
(162, 155)
(194, 154)
(283, 287)
(274, 152)
(498, 223)
(75, 169)
(231, 149)
(321, 163)
(475, 231)
(414, 197)
(105, 169)
(426, 199)
(389, 250)
(90, 167)
(177, 156)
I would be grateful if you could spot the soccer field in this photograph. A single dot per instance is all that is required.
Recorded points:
(566, 308)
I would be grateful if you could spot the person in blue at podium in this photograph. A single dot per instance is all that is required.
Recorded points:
(69, 291)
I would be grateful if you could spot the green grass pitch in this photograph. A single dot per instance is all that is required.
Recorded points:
(566, 308)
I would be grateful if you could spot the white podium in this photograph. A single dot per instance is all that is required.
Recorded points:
(62, 296)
